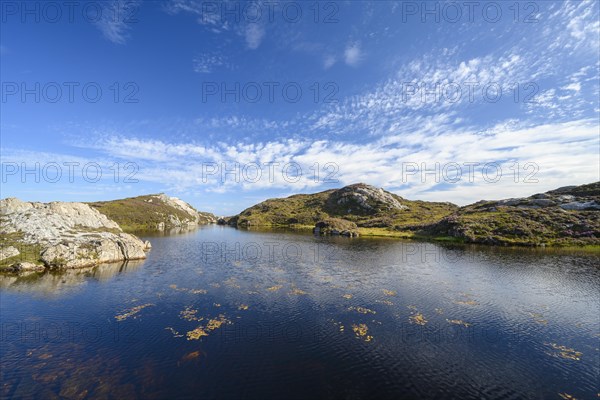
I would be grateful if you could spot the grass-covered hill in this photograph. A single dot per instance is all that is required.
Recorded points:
(562, 217)
(152, 212)
(568, 216)
(374, 210)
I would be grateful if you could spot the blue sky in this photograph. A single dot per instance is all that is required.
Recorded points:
(375, 92)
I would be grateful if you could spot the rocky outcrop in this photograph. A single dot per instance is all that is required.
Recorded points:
(361, 198)
(336, 226)
(365, 205)
(8, 252)
(61, 235)
(155, 212)
(565, 216)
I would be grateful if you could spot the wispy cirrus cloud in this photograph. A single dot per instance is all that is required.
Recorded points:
(117, 18)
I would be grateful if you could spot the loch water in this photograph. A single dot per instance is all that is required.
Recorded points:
(234, 314)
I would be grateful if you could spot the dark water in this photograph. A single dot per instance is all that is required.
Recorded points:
(280, 311)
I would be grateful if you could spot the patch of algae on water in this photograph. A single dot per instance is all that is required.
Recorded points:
(297, 292)
(243, 307)
(274, 288)
(190, 314)
(389, 292)
(386, 302)
(459, 322)
(347, 296)
(192, 291)
(232, 283)
(132, 312)
(539, 318)
(174, 332)
(564, 352)
(361, 331)
(362, 310)
(468, 302)
(339, 325)
(569, 397)
(418, 319)
(211, 325)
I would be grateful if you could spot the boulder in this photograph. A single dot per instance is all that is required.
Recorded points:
(581, 205)
(336, 226)
(8, 252)
(68, 235)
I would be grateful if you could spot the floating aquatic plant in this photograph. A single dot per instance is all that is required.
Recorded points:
(564, 352)
(389, 292)
(569, 397)
(297, 292)
(539, 318)
(190, 314)
(459, 322)
(467, 302)
(132, 312)
(361, 332)
(174, 332)
(274, 288)
(211, 325)
(362, 310)
(418, 319)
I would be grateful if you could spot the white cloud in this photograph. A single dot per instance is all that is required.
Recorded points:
(353, 54)
(117, 18)
(563, 153)
(329, 61)
(254, 34)
(207, 62)
(576, 87)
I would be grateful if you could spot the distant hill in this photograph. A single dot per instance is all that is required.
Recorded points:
(371, 209)
(561, 217)
(157, 212)
(564, 216)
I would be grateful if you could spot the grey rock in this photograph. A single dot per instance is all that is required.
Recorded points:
(70, 235)
(27, 266)
(581, 205)
(362, 194)
(543, 202)
(565, 198)
(8, 252)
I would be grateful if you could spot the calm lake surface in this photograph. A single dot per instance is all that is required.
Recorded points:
(225, 313)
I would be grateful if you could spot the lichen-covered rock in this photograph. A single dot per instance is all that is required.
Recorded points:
(65, 235)
(106, 248)
(26, 267)
(8, 252)
(363, 198)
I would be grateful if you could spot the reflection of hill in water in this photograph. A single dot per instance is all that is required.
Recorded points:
(56, 283)
(178, 231)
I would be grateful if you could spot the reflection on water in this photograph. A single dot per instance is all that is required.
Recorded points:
(225, 313)
(54, 283)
